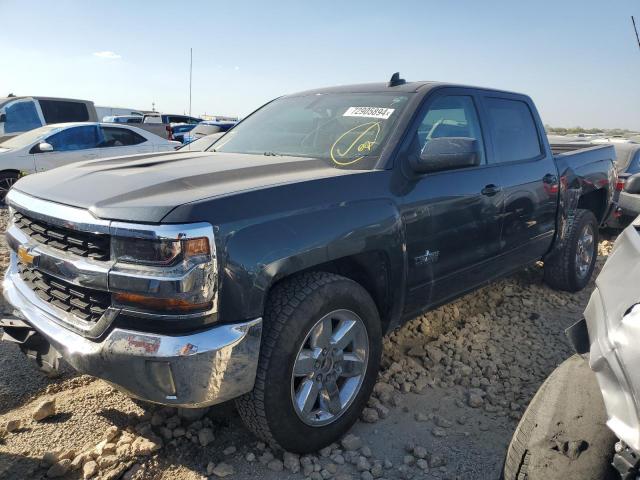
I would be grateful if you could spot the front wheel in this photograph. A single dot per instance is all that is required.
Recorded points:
(319, 360)
(571, 267)
(7, 179)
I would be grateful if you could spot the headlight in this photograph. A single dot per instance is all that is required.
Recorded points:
(168, 271)
(159, 253)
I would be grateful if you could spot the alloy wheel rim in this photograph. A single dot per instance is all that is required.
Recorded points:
(585, 251)
(329, 368)
(5, 186)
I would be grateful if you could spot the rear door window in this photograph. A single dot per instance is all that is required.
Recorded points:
(177, 119)
(21, 116)
(513, 130)
(120, 137)
(74, 138)
(57, 111)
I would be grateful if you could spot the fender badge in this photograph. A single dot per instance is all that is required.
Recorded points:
(25, 255)
(428, 257)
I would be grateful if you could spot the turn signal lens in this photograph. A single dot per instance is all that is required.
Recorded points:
(196, 246)
(165, 305)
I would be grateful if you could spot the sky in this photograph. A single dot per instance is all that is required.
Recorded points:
(578, 60)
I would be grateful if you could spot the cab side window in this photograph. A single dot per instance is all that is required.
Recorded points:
(74, 138)
(21, 116)
(452, 116)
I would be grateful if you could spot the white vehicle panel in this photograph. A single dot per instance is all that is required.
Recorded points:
(613, 323)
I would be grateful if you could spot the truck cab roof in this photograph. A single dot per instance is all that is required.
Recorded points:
(407, 87)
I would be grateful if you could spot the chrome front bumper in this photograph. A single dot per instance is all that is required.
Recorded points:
(196, 370)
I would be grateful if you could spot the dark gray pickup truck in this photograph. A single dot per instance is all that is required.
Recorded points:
(268, 268)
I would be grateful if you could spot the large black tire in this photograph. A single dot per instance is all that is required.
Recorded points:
(562, 434)
(293, 308)
(561, 267)
(7, 179)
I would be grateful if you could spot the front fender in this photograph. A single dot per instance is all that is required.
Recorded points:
(258, 255)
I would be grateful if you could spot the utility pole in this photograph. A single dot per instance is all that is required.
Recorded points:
(190, 76)
(635, 29)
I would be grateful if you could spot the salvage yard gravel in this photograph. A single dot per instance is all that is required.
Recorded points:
(453, 384)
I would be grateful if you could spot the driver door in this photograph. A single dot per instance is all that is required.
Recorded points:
(71, 145)
(451, 217)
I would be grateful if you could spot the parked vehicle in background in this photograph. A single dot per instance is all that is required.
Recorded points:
(627, 192)
(21, 114)
(55, 145)
(160, 124)
(117, 111)
(208, 127)
(584, 421)
(123, 119)
(267, 268)
(201, 144)
(179, 130)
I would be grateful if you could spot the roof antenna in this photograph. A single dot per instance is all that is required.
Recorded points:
(396, 80)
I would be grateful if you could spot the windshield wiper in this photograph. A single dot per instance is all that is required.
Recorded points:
(271, 154)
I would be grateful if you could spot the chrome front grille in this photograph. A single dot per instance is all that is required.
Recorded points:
(95, 246)
(86, 304)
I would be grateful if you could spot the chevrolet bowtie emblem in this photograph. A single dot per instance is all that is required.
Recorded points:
(25, 255)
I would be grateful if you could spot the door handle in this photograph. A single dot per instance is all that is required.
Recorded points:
(490, 190)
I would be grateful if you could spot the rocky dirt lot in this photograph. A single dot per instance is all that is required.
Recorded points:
(453, 385)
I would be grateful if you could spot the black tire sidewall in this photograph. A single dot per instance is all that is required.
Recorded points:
(586, 217)
(288, 430)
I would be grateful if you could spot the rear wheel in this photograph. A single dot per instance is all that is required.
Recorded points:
(319, 359)
(7, 179)
(571, 267)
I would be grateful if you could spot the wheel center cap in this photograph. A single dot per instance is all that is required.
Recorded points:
(327, 365)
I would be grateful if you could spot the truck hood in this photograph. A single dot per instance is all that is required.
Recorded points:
(145, 188)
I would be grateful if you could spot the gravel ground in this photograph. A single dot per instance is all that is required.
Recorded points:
(453, 385)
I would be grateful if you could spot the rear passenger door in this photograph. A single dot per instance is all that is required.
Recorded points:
(529, 177)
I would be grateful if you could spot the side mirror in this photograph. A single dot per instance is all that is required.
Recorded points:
(3, 117)
(632, 185)
(45, 147)
(447, 153)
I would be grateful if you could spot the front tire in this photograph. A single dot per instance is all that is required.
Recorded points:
(319, 360)
(571, 267)
(7, 179)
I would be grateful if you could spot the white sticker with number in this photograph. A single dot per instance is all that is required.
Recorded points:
(369, 112)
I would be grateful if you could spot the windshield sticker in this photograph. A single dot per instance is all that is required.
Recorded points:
(369, 112)
(359, 139)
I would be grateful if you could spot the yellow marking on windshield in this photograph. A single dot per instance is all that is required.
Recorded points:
(366, 145)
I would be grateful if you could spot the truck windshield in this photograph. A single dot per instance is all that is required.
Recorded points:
(342, 128)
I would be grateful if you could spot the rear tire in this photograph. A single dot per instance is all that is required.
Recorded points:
(571, 267)
(293, 312)
(567, 409)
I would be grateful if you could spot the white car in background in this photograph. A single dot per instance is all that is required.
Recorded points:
(55, 145)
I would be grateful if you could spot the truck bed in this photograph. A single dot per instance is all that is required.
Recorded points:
(577, 156)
